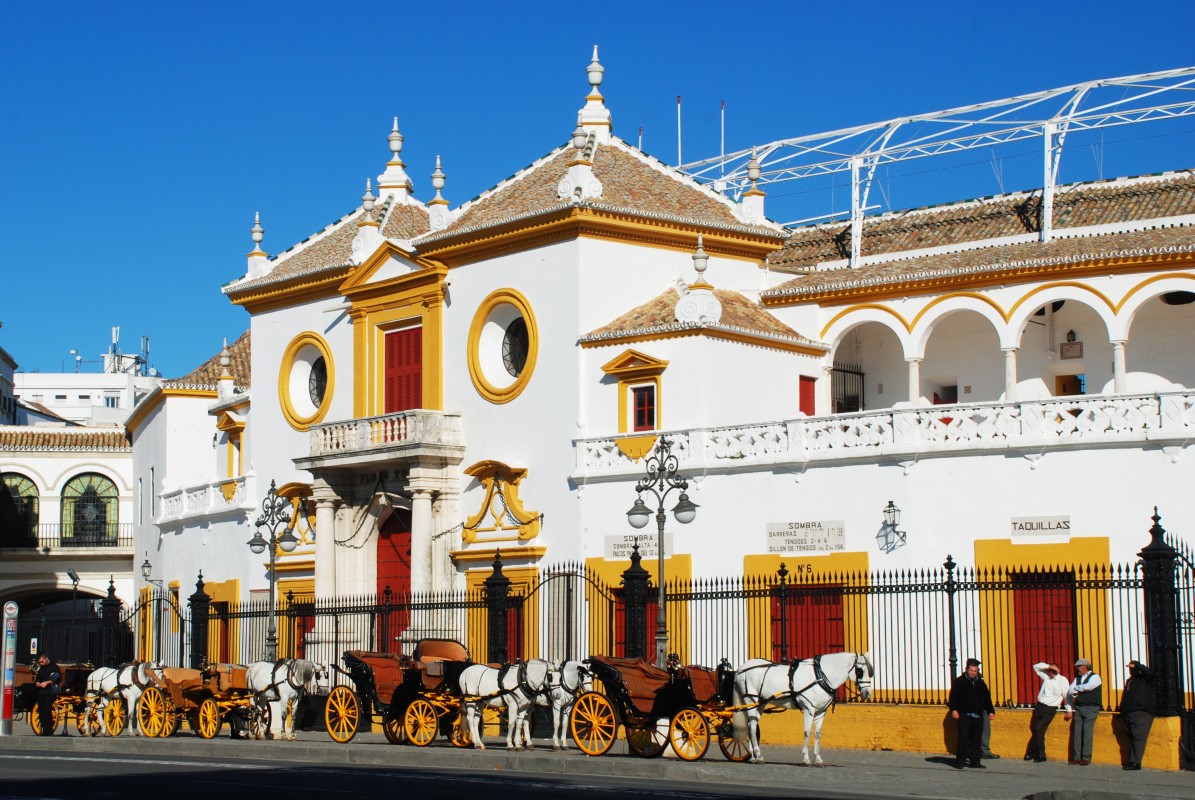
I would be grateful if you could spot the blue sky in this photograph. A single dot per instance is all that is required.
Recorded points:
(137, 139)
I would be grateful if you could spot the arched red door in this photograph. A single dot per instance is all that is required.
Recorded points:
(394, 571)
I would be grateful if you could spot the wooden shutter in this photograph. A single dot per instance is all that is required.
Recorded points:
(808, 396)
(404, 370)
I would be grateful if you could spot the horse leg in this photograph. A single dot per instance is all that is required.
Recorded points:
(807, 720)
(753, 736)
(557, 727)
(817, 739)
(513, 741)
(471, 715)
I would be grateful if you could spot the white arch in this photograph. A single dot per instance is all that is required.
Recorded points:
(834, 335)
(1031, 301)
(1141, 294)
(68, 473)
(924, 327)
(39, 480)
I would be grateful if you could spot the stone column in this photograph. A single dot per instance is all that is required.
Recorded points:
(914, 380)
(825, 403)
(1120, 383)
(1010, 374)
(421, 541)
(325, 539)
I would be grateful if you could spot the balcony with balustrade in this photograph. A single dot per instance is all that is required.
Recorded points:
(1034, 427)
(191, 505)
(410, 437)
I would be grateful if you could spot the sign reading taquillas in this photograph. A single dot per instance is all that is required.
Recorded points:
(1041, 526)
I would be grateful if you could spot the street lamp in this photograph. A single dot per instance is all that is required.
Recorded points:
(70, 644)
(275, 518)
(147, 571)
(661, 479)
(890, 536)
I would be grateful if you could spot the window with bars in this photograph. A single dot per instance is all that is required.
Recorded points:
(643, 408)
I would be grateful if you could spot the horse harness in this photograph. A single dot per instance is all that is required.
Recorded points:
(793, 693)
(290, 680)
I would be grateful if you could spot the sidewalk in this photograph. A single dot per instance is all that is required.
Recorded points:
(856, 772)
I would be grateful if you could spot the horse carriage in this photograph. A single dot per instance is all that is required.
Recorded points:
(70, 700)
(678, 706)
(413, 698)
(205, 698)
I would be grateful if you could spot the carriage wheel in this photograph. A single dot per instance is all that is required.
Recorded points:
(206, 722)
(734, 749)
(420, 722)
(460, 736)
(342, 714)
(171, 726)
(260, 717)
(689, 734)
(647, 742)
(35, 719)
(592, 724)
(394, 730)
(116, 716)
(87, 720)
(152, 712)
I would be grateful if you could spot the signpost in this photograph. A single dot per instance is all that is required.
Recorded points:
(10, 665)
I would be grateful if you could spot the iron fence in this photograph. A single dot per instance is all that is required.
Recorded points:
(59, 536)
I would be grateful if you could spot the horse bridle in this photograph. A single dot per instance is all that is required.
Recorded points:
(575, 690)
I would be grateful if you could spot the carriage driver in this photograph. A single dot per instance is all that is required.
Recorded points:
(969, 701)
(48, 681)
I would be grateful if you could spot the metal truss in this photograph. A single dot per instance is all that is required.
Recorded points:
(1048, 116)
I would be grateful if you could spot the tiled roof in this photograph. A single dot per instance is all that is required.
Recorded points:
(208, 374)
(658, 315)
(44, 411)
(632, 182)
(332, 247)
(40, 438)
(981, 231)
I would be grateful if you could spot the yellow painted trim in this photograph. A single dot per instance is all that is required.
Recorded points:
(633, 368)
(293, 418)
(864, 307)
(522, 579)
(636, 447)
(847, 569)
(633, 364)
(953, 295)
(1046, 286)
(624, 403)
(159, 395)
(1154, 279)
(291, 292)
(218, 631)
(500, 482)
(502, 394)
(676, 567)
(485, 555)
(1002, 557)
(291, 564)
(228, 489)
(302, 587)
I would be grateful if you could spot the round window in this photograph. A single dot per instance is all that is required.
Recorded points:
(306, 381)
(503, 341)
(317, 381)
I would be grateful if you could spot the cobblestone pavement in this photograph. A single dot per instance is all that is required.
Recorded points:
(847, 772)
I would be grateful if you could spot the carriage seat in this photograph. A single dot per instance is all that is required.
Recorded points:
(440, 650)
(641, 679)
(181, 676)
(387, 669)
(704, 681)
(229, 676)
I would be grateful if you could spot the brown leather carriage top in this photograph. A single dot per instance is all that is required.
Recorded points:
(704, 681)
(228, 677)
(641, 679)
(387, 669)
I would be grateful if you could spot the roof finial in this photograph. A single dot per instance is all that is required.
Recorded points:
(395, 138)
(368, 198)
(225, 359)
(751, 208)
(438, 184)
(394, 180)
(595, 116)
(697, 303)
(257, 231)
(700, 259)
(595, 71)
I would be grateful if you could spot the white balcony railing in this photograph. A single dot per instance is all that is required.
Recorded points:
(203, 500)
(404, 429)
(1040, 424)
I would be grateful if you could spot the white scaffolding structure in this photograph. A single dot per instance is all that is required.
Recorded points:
(1048, 116)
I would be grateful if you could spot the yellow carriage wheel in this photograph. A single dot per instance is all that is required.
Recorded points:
(420, 722)
(342, 714)
(35, 719)
(172, 723)
(460, 736)
(394, 730)
(207, 722)
(593, 724)
(689, 734)
(116, 716)
(152, 712)
(734, 749)
(88, 721)
(648, 741)
(260, 717)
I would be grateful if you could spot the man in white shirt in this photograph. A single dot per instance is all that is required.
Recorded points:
(1050, 698)
(1085, 696)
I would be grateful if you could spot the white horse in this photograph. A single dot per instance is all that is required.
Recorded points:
(125, 683)
(565, 683)
(808, 685)
(283, 685)
(514, 686)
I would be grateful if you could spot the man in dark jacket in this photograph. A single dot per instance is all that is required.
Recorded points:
(1138, 705)
(47, 680)
(969, 702)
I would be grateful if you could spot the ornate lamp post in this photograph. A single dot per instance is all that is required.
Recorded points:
(661, 479)
(275, 518)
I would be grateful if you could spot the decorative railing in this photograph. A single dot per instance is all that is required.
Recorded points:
(205, 499)
(60, 536)
(1039, 424)
(386, 432)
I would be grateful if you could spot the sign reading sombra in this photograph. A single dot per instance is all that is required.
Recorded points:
(804, 537)
(619, 547)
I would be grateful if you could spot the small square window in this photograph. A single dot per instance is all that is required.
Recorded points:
(643, 399)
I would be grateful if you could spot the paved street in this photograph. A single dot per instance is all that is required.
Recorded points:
(185, 767)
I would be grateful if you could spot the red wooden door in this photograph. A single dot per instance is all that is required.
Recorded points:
(404, 370)
(394, 572)
(1044, 611)
(809, 617)
(808, 396)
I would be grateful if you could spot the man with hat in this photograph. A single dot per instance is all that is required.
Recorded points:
(1050, 698)
(1138, 705)
(47, 679)
(1085, 696)
(969, 701)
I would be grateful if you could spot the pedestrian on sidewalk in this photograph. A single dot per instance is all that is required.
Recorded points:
(1138, 705)
(1050, 698)
(970, 701)
(48, 680)
(1085, 696)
